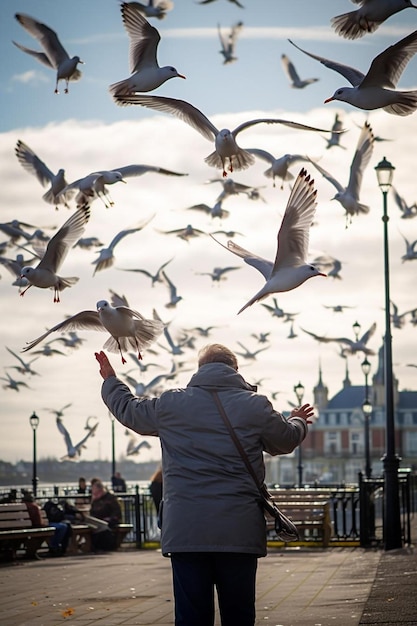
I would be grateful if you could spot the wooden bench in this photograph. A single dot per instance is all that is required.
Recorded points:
(16, 531)
(80, 540)
(311, 517)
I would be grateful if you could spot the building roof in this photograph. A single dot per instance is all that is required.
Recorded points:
(348, 398)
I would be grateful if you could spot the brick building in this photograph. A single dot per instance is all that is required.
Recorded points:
(334, 450)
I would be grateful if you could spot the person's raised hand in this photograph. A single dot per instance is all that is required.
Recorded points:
(106, 369)
(306, 412)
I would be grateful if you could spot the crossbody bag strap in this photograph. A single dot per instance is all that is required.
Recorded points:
(239, 447)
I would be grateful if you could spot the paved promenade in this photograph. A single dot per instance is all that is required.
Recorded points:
(296, 587)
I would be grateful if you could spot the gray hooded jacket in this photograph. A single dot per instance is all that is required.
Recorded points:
(211, 503)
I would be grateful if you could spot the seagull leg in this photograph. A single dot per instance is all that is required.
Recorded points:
(137, 348)
(121, 353)
(22, 293)
(56, 85)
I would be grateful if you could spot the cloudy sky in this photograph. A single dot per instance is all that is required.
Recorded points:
(86, 131)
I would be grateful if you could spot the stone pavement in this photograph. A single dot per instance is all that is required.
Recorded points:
(296, 587)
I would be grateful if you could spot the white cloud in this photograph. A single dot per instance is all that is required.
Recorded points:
(30, 77)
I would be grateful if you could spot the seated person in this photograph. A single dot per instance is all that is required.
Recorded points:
(105, 506)
(59, 542)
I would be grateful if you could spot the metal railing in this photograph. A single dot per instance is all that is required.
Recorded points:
(357, 511)
(371, 495)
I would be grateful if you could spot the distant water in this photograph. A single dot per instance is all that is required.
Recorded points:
(62, 489)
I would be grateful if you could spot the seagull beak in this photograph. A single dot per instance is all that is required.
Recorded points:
(122, 180)
(328, 100)
(321, 274)
(184, 77)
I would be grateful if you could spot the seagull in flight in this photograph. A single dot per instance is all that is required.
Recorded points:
(12, 383)
(376, 89)
(290, 269)
(155, 278)
(44, 275)
(127, 328)
(226, 148)
(25, 366)
(34, 165)
(295, 81)
(334, 139)
(146, 75)
(59, 412)
(279, 166)
(370, 15)
(407, 210)
(106, 255)
(54, 55)
(349, 196)
(349, 346)
(228, 42)
(74, 451)
(155, 8)
(134, 448)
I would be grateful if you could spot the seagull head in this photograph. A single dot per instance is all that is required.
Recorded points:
(102, 305)
(26, 271)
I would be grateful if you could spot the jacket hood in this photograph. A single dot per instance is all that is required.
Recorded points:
(219, 375)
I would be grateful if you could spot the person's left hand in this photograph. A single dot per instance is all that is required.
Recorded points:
(106, 369)
(306, 412)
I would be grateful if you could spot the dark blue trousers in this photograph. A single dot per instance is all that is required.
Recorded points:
(197, 574)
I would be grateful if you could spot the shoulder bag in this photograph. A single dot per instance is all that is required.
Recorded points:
(284, 527)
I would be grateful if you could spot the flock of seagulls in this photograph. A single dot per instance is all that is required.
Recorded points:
(130, 333)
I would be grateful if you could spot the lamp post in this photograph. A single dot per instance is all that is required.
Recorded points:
(299, 393)
(367, 412)
(392, 517)
(34, 422)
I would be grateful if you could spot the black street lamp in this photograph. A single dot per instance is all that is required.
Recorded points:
(34, 422)
(356, 329)
(391, 462)
(367, 412)
(299, 393)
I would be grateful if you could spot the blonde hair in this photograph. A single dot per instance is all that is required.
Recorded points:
(217, 353)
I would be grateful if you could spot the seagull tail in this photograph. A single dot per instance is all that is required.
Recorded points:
(122, 88)
(348, 25)
(406, 104)
(68, 281)
(258, 296)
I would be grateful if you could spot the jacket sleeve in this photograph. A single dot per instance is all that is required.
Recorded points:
(281, 435)
(138, 414)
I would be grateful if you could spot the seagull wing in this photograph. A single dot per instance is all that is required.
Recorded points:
(290, 69)
(354, 76)
(262, 265)
(328, 176)
(58, 247)
(366, 337)
(81, 443)
(293, 235)
(180, 108)
(46, 37)
(32, 163)
(262, 154)
(65, 433)
(138, 170)
(128, 231)
(361, 159)
(295, 125)
(387, 67)
(89, 320)
(144, 38)
(39, 56)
